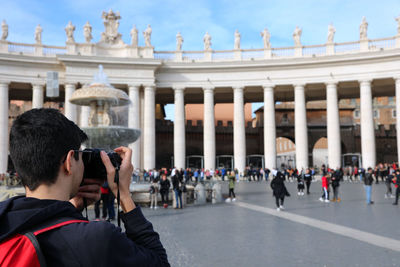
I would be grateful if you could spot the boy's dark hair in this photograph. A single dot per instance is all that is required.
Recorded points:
(39, 140)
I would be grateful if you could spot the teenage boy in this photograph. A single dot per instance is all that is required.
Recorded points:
(44, 147)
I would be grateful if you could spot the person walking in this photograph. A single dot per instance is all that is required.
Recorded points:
(153, 194)
(300, 184)
(279, 190)
(307, 179)
(325, 190)
(336, 177)
(232, 182)
(104, 198)
(368, 180)
(388, 183)
(396, 181)
(177, 190)
(164, 190)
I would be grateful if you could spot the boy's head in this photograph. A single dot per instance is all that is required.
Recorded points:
(39, 142)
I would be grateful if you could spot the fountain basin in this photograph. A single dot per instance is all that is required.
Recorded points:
(110, 137)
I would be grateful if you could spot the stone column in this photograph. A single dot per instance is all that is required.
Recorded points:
(70, 109)
(3, 127)
(368, 150)
(179, 128)
(134, 122)
(300, 127)
(398, 117)
(149, 130)
(37, 96)
(239, 130)
(269, 128)
(333, 126)
(84, 117)
(209, 129)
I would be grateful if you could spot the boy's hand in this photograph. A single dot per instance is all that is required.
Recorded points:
(125, 175)
(89, 190)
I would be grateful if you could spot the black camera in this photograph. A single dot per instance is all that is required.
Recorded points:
(94, 167)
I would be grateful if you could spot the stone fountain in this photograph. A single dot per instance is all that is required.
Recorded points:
(102, 97)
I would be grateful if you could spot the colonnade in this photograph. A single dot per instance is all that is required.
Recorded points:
(147, 124)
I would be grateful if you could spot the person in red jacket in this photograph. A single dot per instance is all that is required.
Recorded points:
(396, 181)
(325, 184)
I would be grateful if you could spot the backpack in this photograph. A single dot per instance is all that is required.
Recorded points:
(23, 249)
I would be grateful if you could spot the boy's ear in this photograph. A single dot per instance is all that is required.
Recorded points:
(67, 165)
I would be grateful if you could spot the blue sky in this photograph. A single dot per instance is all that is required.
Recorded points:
(193, 18)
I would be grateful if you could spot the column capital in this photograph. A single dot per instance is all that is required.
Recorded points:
(208, 89)
(396, 78)
(178, 88)
(133, 85)
(238, 87)
(268, 86)
(331, 83)
(151, 88)
(70, 84)
(4, 83)
(299, 86)
(149, 85)
(365, 81)
(38, 84)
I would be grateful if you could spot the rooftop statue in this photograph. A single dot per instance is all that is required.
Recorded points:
(297, 35)
(38, 34)
(87, 32)
(179, 41)
(331, 33)
(266, 37)
(363, 29)
(4, 28)
(207, 41)
(147, 36)
(237, 40)
(69, 31)
(398, 25)
(111, 24)
(134, 37)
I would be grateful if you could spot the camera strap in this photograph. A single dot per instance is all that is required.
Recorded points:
(116, 180)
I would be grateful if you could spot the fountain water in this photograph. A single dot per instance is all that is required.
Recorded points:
(101, 97)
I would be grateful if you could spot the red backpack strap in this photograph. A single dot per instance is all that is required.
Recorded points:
(48, 226)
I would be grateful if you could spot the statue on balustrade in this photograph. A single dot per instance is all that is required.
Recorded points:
(398, 25)
(38, 34)
(111, 35)
(147, 36)
(179, 41)
(297, 35)
(134, 37)
(266, 37)
(237, 40)
(331, 33)
(69, 31)
(4, 28)
(87, 32)
(207, 42)
(363, 29)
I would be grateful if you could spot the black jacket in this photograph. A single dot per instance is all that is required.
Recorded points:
(278, 186)
(84, 244)
(368, 180)
(164, 185)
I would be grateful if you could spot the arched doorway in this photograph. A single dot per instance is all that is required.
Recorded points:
(320, 152)
(285, 153)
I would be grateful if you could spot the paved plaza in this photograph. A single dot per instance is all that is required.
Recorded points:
(251, 232)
